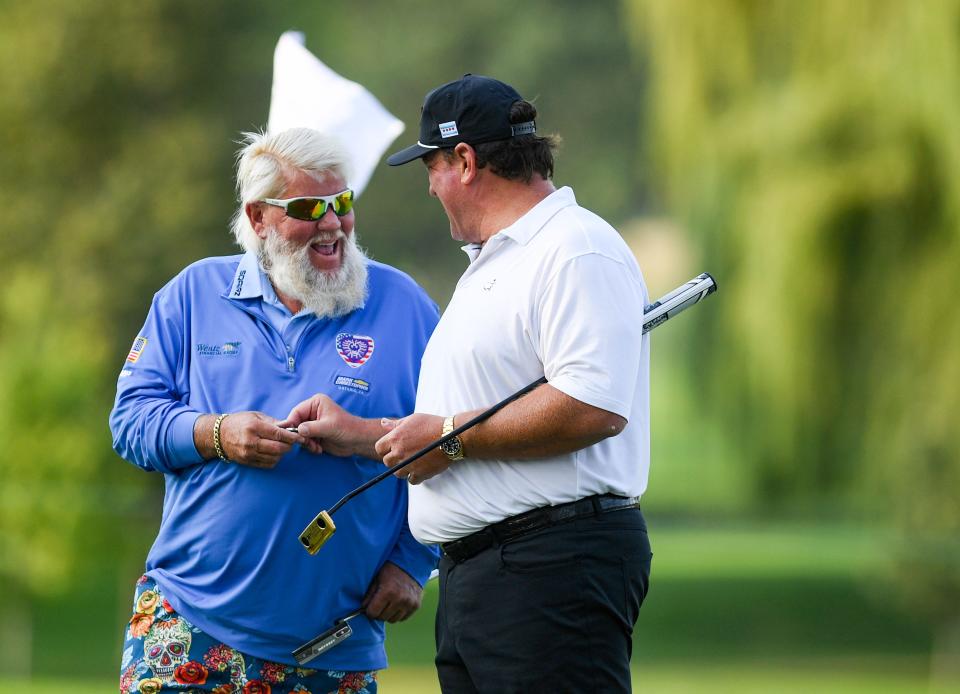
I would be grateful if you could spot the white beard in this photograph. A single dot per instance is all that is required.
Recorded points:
(325, 294)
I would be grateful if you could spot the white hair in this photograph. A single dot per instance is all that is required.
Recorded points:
(268, 161)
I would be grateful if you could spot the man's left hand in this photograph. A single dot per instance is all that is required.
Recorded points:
(404, 437)
(393, 595)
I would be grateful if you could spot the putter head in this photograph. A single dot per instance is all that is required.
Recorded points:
(318, 532)
(340, 631)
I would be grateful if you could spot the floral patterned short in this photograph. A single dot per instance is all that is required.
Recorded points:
(163, 652)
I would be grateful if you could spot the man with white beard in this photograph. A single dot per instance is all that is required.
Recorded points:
(229, 347)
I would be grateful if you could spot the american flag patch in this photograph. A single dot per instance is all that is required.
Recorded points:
(137, 349)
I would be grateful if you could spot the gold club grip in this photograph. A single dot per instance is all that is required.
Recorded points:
(318, 532)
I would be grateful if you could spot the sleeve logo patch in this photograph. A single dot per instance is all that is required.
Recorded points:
(355, 350)
(138, 346)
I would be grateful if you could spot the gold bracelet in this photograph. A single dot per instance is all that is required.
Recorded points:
(216, 437)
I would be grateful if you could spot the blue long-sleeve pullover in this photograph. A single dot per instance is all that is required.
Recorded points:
(227, 555)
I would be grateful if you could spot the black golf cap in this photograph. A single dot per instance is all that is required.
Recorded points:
(473, 109)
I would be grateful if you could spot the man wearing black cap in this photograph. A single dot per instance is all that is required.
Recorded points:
(545, 552)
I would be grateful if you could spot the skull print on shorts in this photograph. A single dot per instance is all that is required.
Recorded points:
(166, 647)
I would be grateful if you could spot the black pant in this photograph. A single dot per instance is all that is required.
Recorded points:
(552, 611)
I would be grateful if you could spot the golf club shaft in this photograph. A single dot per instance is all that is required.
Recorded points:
(654, 315)
(439, 442)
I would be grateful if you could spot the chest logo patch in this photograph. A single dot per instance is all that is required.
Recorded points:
(351, 384)
(355, 350)
(227, 349)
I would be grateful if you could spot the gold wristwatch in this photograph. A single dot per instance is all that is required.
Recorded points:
(453, 448)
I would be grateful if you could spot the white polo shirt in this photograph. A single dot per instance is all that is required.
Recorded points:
(558, 293)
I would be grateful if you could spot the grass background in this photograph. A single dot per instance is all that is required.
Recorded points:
(734, 606)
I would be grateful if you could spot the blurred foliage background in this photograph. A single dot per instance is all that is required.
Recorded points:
(804, 491)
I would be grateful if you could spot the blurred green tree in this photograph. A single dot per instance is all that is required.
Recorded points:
(115, 149)
(571, 58)
(812, 149)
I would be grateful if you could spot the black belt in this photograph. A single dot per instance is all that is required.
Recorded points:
(530, 521)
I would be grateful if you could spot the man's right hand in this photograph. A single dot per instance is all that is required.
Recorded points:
(247, 438)
(328, 428)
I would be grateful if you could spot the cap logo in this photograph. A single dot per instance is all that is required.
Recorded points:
(449, 129)
(528, 128)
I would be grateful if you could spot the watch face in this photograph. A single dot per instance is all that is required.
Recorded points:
(451, 447)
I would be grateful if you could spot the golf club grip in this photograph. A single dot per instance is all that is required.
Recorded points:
(677, 301)
(655, 314)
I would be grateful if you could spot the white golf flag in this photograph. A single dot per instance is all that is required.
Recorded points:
(308, 94)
